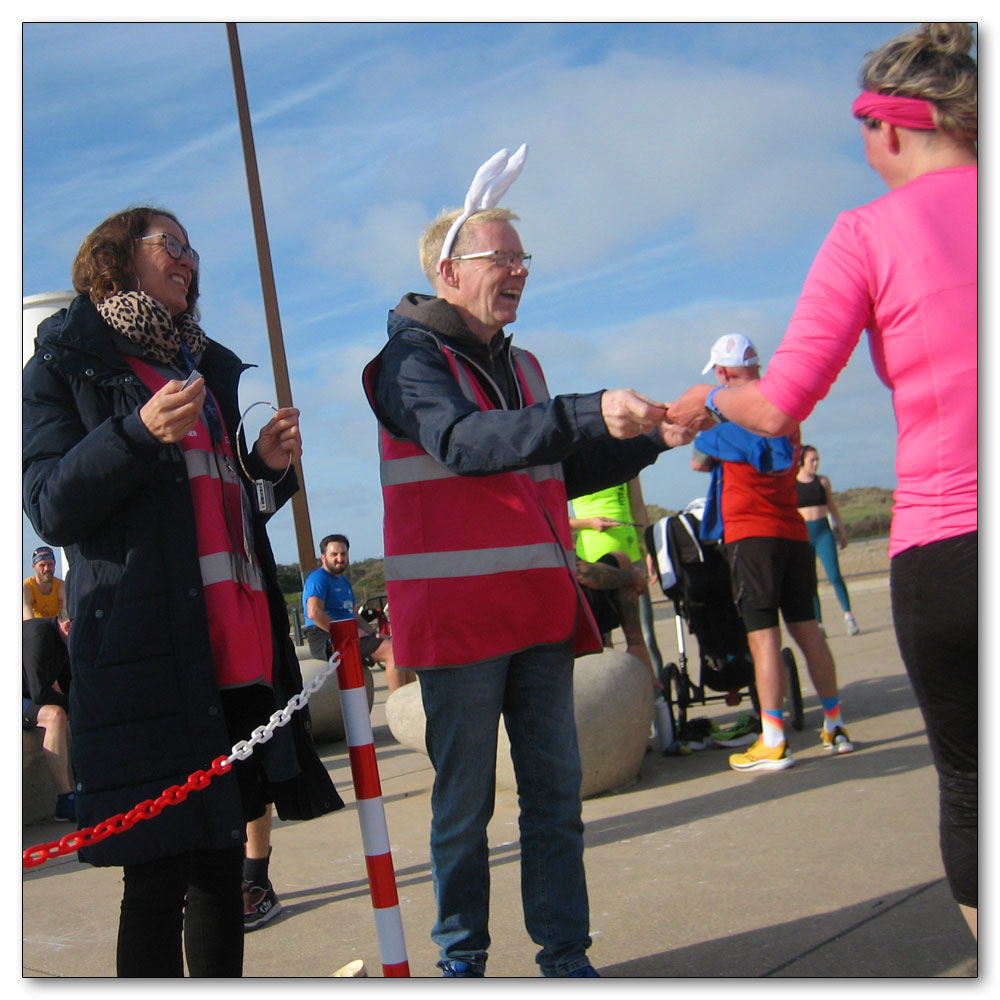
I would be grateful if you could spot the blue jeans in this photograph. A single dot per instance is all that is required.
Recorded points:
(533, 690)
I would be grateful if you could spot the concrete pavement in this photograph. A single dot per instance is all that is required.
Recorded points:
(828, 869)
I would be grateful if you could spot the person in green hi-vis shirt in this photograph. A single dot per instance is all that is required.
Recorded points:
(614, 520)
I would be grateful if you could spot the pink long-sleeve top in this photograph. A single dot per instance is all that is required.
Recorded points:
(904, 267)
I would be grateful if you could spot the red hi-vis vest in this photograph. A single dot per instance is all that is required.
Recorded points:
(477, 566)
(239, 619)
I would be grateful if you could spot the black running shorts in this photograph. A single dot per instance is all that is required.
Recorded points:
(772, 574)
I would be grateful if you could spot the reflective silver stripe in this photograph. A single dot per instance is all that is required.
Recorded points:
(424, 469)
(475, 562)
(416, 469)
(203, 463)
(223, 567)
(533, 381)
(541, 473)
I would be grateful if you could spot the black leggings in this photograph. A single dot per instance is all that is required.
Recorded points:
(197, 896)
(935, 596)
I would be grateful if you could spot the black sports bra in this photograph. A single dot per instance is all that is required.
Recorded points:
(811, 494)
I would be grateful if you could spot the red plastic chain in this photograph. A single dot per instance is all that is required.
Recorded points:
(38, 855)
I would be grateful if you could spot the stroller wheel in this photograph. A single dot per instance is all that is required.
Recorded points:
(677, 693)
(795, 708)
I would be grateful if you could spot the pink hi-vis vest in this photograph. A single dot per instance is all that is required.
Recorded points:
(477, 566)
(239, 620)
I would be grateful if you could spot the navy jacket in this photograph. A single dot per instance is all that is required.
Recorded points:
(145, 710)
(413, 393)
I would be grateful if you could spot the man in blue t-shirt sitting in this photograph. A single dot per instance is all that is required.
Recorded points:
(327, 596)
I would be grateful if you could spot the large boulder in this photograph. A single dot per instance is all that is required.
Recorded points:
(38, 790)
(325, 710)
(613, 701)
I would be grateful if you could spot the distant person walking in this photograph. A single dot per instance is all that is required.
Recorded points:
(818, 508)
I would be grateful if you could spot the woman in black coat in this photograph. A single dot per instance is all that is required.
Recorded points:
(180, 644)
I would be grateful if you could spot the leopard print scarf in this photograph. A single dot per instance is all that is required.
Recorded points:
(149, 325)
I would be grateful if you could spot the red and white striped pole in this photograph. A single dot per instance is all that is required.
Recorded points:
(368, 793)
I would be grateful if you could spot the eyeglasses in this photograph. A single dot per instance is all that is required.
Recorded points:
(173, 246)
(506, 259)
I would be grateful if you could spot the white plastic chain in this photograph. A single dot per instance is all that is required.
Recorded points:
(283, 716)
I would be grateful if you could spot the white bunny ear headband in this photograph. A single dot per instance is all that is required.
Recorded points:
(489, 185)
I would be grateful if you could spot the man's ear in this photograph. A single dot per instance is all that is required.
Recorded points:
(448, 273)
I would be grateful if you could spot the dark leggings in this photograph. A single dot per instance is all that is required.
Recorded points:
(935, 598)
(196, 896)
(199, 894)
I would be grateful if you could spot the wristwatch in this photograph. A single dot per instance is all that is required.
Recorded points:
(713, 410)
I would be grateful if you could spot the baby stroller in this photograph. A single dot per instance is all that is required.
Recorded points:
(375, 611)
(694, 575)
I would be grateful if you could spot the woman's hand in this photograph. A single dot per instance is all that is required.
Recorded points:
(688, 409)
(843, 536)
(280, 439)
(172, 411)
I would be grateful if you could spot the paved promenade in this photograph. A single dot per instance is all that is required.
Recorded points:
(829, 869)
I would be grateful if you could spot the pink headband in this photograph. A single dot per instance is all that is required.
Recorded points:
(906, 112)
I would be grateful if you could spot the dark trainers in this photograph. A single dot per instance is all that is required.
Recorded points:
(259, 905)
(457, 969)
(586, 972)
(66, 808)
(837, 741)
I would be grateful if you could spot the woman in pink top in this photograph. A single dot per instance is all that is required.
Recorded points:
(904, 267)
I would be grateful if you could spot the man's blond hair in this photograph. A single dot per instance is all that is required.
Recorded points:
(432, 238)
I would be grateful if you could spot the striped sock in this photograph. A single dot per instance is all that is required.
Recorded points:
(831, 713)
(772, 728)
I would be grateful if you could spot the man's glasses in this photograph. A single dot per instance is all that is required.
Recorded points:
(506, 259)
(173, 246)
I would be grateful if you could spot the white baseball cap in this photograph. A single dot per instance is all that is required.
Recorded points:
(732, 350)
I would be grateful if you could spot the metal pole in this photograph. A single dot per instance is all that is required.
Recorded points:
(300, 507)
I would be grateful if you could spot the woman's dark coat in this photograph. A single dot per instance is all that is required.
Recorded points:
(145, 711)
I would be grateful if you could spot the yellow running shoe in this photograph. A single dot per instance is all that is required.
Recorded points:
(761, 757)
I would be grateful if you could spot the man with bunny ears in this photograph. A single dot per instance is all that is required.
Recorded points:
(477, 462)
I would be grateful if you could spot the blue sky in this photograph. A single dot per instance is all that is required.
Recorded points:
(679, 180)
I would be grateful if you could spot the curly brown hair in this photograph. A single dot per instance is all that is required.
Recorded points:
(104, 263)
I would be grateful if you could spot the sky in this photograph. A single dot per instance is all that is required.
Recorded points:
(680, 177)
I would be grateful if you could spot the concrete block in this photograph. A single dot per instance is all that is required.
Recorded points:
(325, 709)
(613, 702)
(38, 793)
